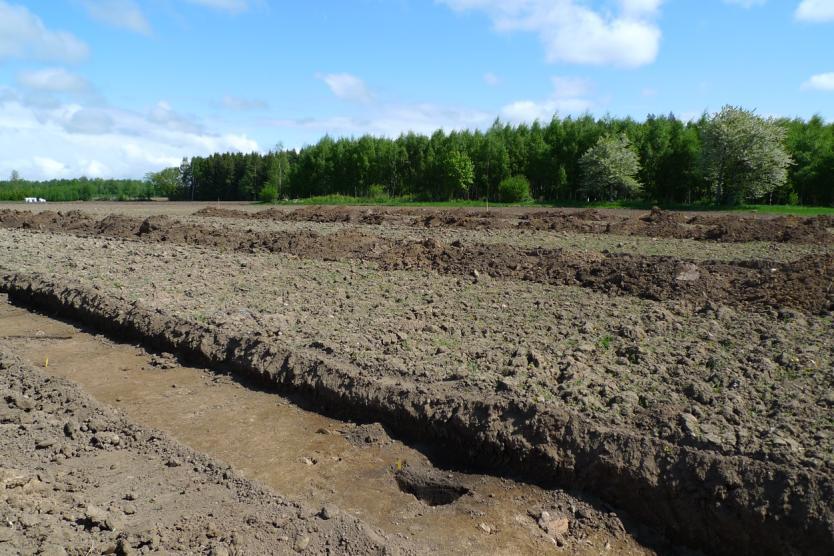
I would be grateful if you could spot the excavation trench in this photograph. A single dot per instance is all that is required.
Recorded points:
(302, 454)
(725, 504)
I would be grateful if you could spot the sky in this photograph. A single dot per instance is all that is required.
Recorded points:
(118, 88)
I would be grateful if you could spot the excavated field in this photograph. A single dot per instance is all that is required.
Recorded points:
(666, 364)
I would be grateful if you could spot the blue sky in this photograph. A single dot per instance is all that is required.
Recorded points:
(116, 88)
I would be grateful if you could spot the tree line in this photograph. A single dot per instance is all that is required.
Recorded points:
(77, 189)
(731, 156)
(728, 157)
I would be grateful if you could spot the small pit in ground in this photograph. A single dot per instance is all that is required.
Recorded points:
(430, 488)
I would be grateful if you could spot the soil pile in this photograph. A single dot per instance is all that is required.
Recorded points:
(725, 228)
(805, 284)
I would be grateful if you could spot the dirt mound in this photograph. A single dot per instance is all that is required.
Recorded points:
(726, 228)
(587, 222)
(658, 223)
(469, 220)
(805, 284)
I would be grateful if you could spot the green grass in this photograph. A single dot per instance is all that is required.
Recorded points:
(641, 205)
(787, 209)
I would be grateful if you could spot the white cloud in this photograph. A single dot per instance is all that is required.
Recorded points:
(73, 140)
(23, 35)
(571, 31)
(392, 120)
(233, 6)
(570, 96)
(90, 121)
(347, 87)
(122, 14)
(241, 104)
(819, 82)
(163, 114)
(55, 80)
(49, 168)
(816, 11)
(746, 3)
(491, 79)
(96, 169)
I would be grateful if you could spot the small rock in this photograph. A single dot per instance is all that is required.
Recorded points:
(173, 462)
(690, 424)
(95, 515)
(45, 443)
(554, 525)
(329, 512)
(219, 550)
(24, 403)
(688, 273)
(301, 543)
(106, 439)
(485, 528)
(71, 429)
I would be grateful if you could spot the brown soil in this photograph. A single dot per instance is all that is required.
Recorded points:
(806, 284)
(79, 478)
(724, 503)
(657, 223)
(307, 456)
(694, 394)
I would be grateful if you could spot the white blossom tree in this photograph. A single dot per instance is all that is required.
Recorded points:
(609, 169)
(744, 155)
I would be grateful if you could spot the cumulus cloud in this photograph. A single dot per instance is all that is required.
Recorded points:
(242, 104)
(570, 96)
(56, 80)
(164, 114)
(122, 14)
(23, 35)
(572, 31)
(90, 121)
(347, 87)
(819, 82)
(816, 11)
(73, 140)
(393, 119)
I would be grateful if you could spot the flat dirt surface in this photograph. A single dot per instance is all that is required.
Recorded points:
(78, 478)
(670, 343)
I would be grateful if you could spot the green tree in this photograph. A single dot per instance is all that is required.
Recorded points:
(14, 177)
(609, 169)
(744, 156)
(165, 183)
(456, 174)
(514, 190)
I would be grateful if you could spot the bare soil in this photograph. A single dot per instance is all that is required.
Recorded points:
(656, 223)
(695, 395)
(804, 284)
(307, 457)
(79, 478)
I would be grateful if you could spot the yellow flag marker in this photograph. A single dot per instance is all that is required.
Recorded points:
(46, 362)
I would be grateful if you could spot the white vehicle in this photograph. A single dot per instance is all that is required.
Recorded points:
(34, 200)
